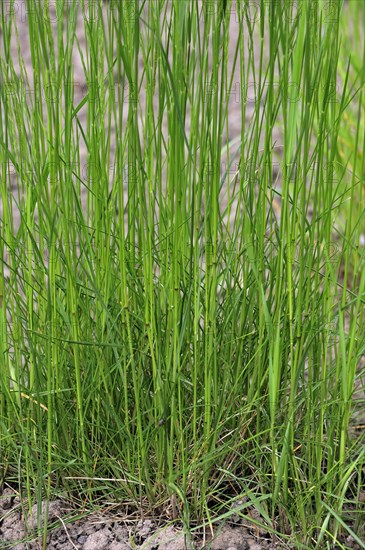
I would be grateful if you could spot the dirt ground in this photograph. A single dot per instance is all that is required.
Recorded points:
(112, 532)
(108, 532)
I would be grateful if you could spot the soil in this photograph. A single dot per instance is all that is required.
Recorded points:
(107, 531)
(18, 531)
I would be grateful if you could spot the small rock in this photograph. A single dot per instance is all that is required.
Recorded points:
(97, 541)
(168, 538)
(230, 537)
(115, 545)
(81, 530)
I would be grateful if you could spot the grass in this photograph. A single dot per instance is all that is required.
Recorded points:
(182, 324)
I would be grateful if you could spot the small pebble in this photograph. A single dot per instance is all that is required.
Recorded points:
(97, 541)
(118, 546)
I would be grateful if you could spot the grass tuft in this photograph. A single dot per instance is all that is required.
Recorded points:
(182, 280)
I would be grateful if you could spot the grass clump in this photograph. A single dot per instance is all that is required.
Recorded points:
(182, 304)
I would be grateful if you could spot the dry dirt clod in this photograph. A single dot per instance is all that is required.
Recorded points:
(7, 499)
(230, 537)
(54, 511)
(167, 539)
(98, 540)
